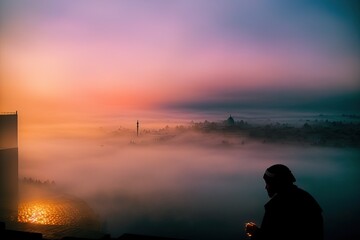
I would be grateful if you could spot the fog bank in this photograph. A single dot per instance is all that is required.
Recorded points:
(189, 185)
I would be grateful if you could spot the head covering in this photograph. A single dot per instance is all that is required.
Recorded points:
(279, 174)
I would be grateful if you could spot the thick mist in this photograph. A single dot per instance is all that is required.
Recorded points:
(186, 184)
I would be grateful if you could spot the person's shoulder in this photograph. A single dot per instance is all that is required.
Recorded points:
(301, 193)
(306, 198)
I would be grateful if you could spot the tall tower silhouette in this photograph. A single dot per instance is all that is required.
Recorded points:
(137, 128)
(8, 166)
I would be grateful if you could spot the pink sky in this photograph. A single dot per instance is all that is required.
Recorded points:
(66, 58)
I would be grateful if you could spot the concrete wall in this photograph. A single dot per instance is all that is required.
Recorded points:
(8, 131)
(8, 167)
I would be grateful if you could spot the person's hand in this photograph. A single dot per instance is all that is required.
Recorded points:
(250, 228)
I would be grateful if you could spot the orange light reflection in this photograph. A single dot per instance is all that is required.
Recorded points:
(48, 213)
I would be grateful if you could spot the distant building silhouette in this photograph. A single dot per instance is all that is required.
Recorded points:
(230, 121)
(8, 166)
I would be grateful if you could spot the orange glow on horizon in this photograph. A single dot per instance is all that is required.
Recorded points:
(59, 68)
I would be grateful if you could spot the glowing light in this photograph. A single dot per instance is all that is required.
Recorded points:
(250, 228)
(48, 213)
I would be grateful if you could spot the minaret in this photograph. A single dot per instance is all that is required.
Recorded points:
(137, 128)
(8, 166)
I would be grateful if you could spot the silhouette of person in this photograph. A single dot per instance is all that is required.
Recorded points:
(291, 213)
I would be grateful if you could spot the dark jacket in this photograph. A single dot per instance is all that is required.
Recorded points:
(292, 214)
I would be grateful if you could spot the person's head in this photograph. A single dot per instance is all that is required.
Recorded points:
(278, 177)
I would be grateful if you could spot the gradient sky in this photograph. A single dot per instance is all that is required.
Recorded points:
(71, 58)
